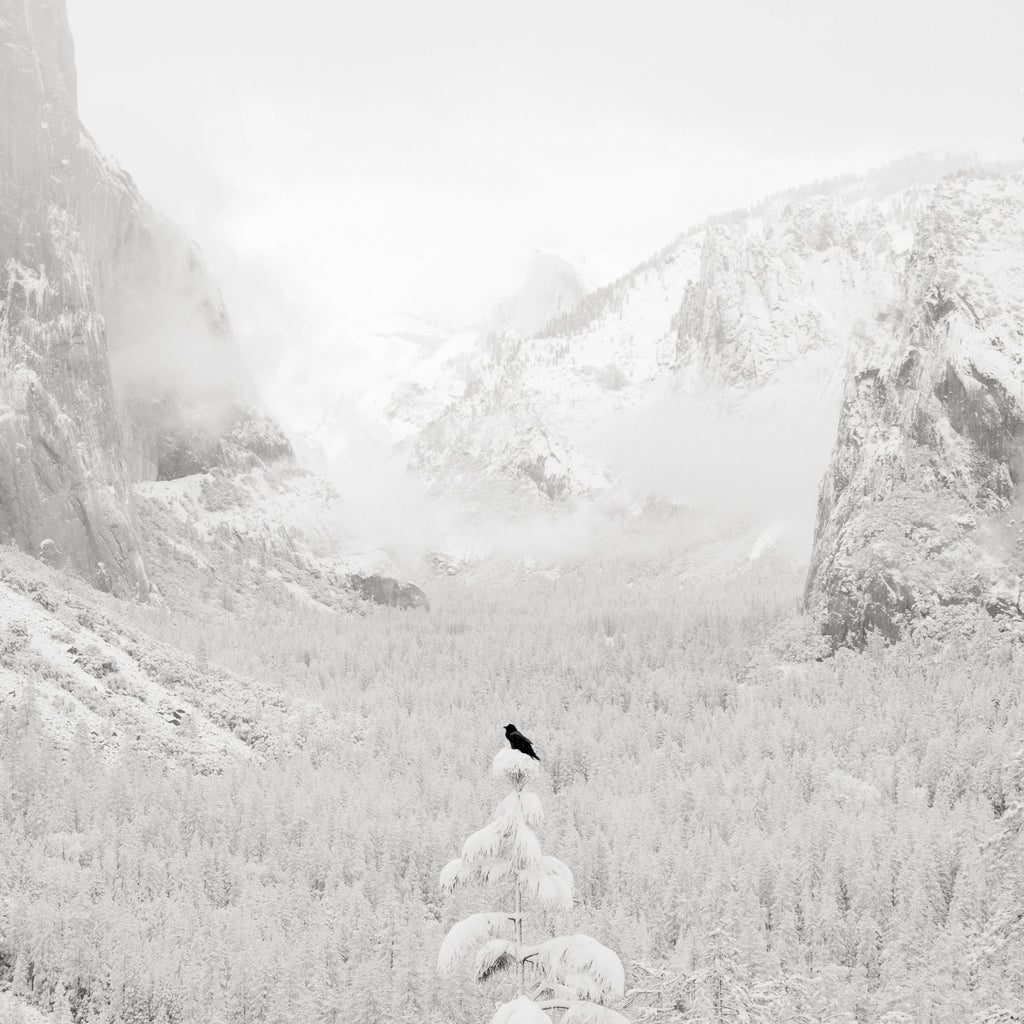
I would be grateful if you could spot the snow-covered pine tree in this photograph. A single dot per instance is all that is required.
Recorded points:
(573, 974)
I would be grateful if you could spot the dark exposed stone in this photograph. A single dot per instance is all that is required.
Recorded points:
(980, 410)
(551, 485)
(938, 306)
(386, 591)
(878, 603)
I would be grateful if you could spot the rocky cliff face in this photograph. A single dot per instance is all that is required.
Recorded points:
(792, 288)
(751, 311)
(63, 478)
(388, 592)
(116, 358)
(918, 519)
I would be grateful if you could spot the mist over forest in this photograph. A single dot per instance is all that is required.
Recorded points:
(510, 517)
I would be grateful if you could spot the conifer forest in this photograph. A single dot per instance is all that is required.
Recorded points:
(511, 514)
(757, 834)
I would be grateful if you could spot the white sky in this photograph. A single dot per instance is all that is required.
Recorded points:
(341, 160)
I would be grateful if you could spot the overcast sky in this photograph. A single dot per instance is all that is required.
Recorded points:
(355, 159)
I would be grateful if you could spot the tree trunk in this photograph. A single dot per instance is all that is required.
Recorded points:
(520, 963)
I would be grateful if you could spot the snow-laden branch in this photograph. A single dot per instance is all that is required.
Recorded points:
(483, 869)
(582, 963)
(484, 843)
(492, 870)
(526, 851)
(579, 1011)
(553, 866)
(466, 935)
(494, 956)
(521, 1011)
(549, 884)
(453, 874)
(519, 806)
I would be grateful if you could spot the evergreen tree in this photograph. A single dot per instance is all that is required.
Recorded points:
(62, 1006)
(574, 974)
(20, 984)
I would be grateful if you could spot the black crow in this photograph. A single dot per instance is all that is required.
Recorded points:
(517, 741)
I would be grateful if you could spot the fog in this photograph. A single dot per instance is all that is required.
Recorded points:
(167, 326)
(748, 470)
(761, 460)
(340, 164)
(386, 504)
(379, 158)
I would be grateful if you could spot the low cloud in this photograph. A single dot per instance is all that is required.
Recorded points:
(761, 456)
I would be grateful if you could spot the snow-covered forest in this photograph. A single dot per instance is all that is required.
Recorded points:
(292, 531)
(759, 835)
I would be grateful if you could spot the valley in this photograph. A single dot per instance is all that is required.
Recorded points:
(813, 839)
(734, 536)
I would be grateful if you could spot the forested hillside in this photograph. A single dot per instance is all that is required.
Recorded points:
(761, 836)
(231, 779)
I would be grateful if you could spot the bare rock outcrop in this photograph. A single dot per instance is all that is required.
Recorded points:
(787, 293)
(389, 592)
(63, 478)
(919, 510)
(116, 356)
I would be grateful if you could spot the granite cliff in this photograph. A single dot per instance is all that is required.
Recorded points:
(117, 362)
(919, 513)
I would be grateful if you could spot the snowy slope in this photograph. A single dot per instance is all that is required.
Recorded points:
(513, 402)
(94, 679)
(231, 538)
(15, 1011)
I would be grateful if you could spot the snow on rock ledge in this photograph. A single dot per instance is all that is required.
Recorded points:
(918, 510)
(117, 361)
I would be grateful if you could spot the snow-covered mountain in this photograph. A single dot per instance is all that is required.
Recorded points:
(120, 375)
(759, 310)
(118, 362)
(397, 374)
(714, 374)
(551, 287)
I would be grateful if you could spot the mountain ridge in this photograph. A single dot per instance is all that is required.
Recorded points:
(759, 323)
